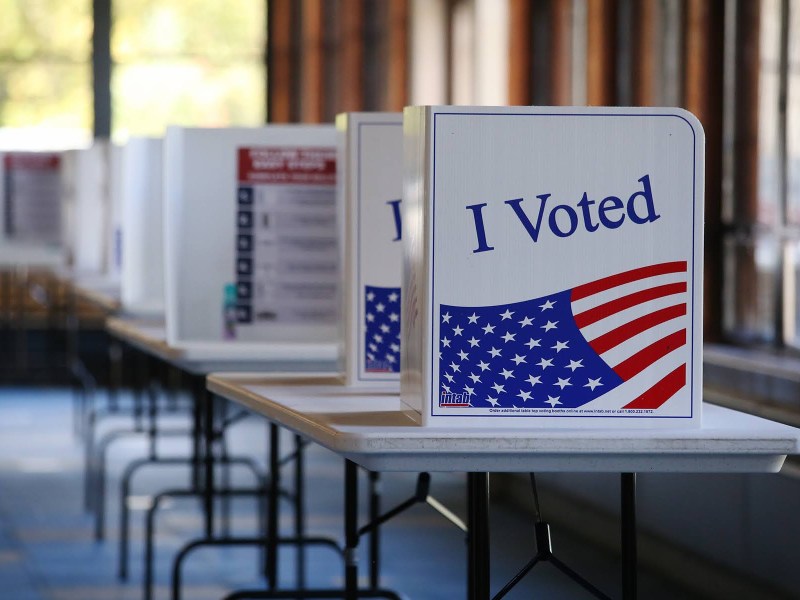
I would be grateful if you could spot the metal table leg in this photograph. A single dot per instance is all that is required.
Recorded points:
(628, 535)
(350, 530)
(206, 400)
(478, 536)
(299, 511)
(273, 507)
(374, 536)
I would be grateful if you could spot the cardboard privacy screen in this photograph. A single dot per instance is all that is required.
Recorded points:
(113, 246)
(31, 198)
(142, 277)
(250, 235)
(553, 266)
(370, 183)
(85, 189)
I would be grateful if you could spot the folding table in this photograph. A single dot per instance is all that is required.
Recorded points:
(372, 430)
(198, 360)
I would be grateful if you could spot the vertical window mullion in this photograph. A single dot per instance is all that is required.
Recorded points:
(101, 68)
(785, 300)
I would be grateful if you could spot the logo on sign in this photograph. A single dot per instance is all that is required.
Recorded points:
(452, 399)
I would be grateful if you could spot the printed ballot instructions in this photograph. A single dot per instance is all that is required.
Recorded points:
(286, 241)
(250, 235)
(32, 197)
(554, 266)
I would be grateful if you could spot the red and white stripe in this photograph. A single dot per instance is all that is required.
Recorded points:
(635, 321)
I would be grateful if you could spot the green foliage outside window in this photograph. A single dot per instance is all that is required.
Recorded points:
(189, 62)
(45, 50)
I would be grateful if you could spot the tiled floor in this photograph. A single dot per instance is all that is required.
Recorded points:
(47, 550)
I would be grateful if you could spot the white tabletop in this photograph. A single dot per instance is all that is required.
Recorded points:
(371, 429)
(150, 337)
(19, 254)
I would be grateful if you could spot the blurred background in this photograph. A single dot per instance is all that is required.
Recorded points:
(74, 72)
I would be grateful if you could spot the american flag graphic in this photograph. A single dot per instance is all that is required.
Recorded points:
(382, 329)
(570, 348)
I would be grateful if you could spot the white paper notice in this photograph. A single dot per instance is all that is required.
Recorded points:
(286, 245)
(32, 201)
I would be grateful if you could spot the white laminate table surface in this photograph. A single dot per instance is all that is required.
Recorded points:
(370, 428)
(18, 254)
(149, 336)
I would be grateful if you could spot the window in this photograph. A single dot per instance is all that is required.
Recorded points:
(459, 52)
(761, 210)
(45, 80)
(188, 62)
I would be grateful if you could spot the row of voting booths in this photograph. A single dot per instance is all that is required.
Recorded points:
(242, 237)
(491, 277)
(31, 233)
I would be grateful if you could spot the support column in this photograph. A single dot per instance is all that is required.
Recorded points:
(101, 68)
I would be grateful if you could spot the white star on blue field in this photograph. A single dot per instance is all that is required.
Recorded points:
(527, 354)
(382, 331)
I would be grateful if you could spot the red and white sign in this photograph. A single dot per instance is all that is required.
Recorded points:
(291, 166)
(32, 197)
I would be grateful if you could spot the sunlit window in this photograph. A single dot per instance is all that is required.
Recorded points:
(763, 244)
(45, 79)
(188, 62)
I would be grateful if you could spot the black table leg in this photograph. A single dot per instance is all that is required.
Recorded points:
(273, 506)
(197, 436)
(628, 534)
(374, 536)
(299, 511)
(478, 536)
(350, 530)
(207, 401)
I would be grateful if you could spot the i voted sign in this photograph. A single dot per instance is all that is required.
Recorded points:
(563, 220)
(370, 182)
(553, 266)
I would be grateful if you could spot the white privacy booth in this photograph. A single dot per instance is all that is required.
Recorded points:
(250, 239)
(114, 216)
(91, 187)
(87, 205)
(553, 267)
(370, 185)
(30, 215)
(142, 210)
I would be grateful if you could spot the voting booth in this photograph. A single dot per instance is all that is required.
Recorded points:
(251, 249)
(370, 184)
(31, 211)
(114, 221)
(30, 215)
(553, 267)
(142, 270)
(85, 193)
